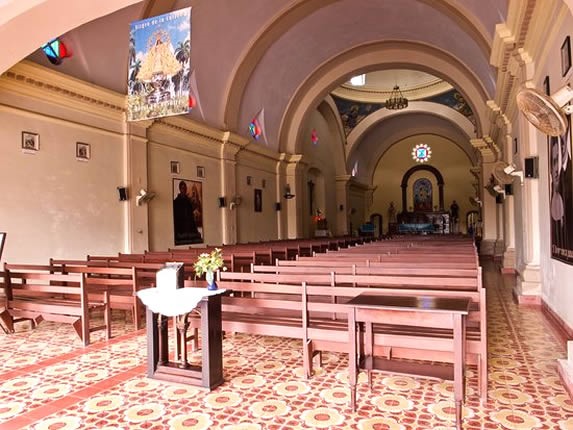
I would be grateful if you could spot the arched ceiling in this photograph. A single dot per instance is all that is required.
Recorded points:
(375, 140)
(283, 56)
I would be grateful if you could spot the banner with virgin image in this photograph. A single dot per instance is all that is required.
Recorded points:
(159, 66)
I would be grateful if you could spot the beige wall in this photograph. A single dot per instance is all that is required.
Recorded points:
(52, 204)
(324, 161)
(447, 157)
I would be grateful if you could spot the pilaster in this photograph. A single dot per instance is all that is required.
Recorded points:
(137, 217)
(295, 168)
(342, 184)
(231, 145)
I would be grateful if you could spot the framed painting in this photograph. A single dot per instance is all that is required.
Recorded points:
(258, 200)
(187, 211)
(566, 56)
(546, 86)
(30, 141)
(83, 151)
(200, 172)
(2, 240)
(175, 167)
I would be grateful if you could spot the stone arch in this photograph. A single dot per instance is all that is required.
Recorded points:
(280, 25)
(432, 170)
(377, 56)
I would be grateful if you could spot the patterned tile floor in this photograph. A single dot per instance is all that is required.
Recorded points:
(49, 381)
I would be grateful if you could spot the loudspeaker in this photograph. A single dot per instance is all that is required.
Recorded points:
(509, 189)
(222, 202)
(278, 206)
(122, 191)
(532, 167)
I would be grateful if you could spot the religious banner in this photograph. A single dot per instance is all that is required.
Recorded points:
(159, 66)
(561, 196)
(187, 211)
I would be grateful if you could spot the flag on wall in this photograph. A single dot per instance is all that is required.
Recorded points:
(159, 65)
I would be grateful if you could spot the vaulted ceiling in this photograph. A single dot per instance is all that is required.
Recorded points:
(281, 56)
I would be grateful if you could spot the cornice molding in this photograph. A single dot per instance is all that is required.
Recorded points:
(33, 80)
(372, 95)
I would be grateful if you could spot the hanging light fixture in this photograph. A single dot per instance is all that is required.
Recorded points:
(396, 100)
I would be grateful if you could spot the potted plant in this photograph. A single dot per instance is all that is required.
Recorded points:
(208, 264)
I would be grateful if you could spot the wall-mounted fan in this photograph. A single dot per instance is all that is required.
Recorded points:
(143, 197)
(544, 112)
(504, 173)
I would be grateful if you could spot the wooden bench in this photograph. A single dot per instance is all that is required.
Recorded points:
(309, 313)
(335, 289)
(36, 296)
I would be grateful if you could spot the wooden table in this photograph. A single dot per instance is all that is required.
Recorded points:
(210, 373)
(424, 311)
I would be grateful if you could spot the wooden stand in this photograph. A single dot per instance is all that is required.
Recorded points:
(432, 312)
(210, 373)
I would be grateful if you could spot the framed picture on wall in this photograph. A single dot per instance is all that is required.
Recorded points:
(546, 86)
(175, 167)
(258, 200)
(83, 152)
(30, 142)
(566, 56)
(2, 240)
(200, 172)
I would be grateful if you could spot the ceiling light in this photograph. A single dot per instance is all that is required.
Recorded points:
(396, 100)
(358, 81)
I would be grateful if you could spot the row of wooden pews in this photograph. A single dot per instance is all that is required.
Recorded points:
(72, 291)
(306, 298)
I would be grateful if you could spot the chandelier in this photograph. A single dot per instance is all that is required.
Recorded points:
(396, 100)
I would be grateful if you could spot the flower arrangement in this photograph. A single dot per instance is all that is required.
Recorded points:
(209, 262)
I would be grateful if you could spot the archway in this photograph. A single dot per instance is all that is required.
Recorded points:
(376, 219)
(439, 180)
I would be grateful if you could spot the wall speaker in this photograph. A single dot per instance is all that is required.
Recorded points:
(278, 206)
(532, 167)
(509, 189)
(122, 191)
(222, 202)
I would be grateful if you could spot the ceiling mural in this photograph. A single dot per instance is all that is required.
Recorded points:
(352, 112)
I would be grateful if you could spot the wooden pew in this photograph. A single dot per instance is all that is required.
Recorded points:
(266, 308)
(36, 296)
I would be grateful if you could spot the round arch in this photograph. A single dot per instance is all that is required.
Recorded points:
(378, 140)
(456, 119)
(376, 56)
(432, 170)
(280, 24)
(23, 23)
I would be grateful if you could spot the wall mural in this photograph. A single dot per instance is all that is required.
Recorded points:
(561, 196)
(422, 195)
(352, 112)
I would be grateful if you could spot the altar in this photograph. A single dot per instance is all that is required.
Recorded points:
(416, 228)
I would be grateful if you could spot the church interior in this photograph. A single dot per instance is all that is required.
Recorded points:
(385, 121)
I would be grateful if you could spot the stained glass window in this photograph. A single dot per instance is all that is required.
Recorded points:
(56, 51)
(421, 153)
